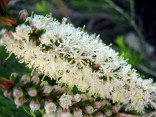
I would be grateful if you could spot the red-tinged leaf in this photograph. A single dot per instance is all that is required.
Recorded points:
(9, 82)
(9, 20)
(4, 3)
(5, 86)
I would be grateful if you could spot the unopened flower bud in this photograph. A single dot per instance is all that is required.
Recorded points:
(18, 92)
(23, 14)
(35, 79)
(97, 105)
(49, 115)
(56, 89)
(83, 97)
(76, 98)
(89, 109)
(64, 113)
(50, 108)
(13, 76)
(104, 102)
(64, 90)
(8, 34)
(34, 105)
(44, 83)
(116, 108)
(108, 113)
(33, 27)
(32, 92)
(65, 101)
(77, 113)
(99, 115)
(7, 94)
(25, 79)
(47, 102)
(19, 101)
(47, 90)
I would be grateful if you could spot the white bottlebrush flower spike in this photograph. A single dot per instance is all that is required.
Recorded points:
(80, 59)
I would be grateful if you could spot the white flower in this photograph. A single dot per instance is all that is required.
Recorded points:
(65, 101)
(22, 32)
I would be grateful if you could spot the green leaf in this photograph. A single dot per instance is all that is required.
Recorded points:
(42, 7)
(120, 42)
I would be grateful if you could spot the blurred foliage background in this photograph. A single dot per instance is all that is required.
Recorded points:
(129, 25)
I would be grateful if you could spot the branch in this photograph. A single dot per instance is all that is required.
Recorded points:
(147, 70)
(132, 22)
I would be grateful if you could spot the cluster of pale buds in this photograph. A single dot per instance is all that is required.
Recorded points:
(56, 98)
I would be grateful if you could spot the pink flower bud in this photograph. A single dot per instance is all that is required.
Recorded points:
(33, 27)
(108, 113)
(49, 101)
(25, 79)
(44, 83)
(99, 115)
(32, 92)
(35, 79)
(23, 14)
(50, 108)
(116, 108)
(64, 90)
(77, 113)
(19, 101)
(65, 101)
(83, 97)
(97, 105)
(89, 109)
(7, 94)
(47, 90)
(8, 34)
(18, 92)
(64, 113)
(76, 98)
(14, 74)
(56, 89)
(34, 105)
(104, 102)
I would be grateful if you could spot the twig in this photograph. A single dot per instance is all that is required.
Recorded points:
(62, 8)
(132, 9)
(132, 22)
(147, 70)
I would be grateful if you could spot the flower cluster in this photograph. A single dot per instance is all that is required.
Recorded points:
(57, 98)
(70, 55)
